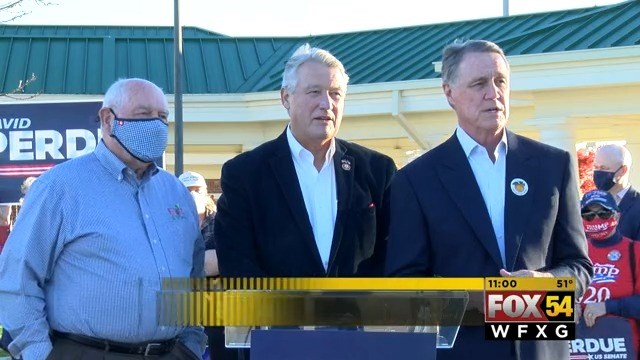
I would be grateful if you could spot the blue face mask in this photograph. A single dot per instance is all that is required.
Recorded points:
(144, 139)
(604, 179)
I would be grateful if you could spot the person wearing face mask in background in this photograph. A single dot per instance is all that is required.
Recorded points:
(615, 287)
(194, 182)
(612, 167)
(206, 212)
(94, 240)
(206, 208)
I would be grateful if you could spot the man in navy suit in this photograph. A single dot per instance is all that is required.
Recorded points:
(611, 169)
(487, 202)
(306, 204)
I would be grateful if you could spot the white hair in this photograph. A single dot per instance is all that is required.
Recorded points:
(307, 53)
(618, 153)
(120, 92)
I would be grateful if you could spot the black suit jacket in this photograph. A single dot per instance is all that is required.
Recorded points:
(262, 227)
(440, 226)
(629, 224)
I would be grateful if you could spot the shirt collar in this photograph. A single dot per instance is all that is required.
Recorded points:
(623, 192)
(114, 165)
(468, 144)
(298, 151)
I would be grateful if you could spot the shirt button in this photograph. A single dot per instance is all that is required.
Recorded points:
(162, 269)
(146, 216)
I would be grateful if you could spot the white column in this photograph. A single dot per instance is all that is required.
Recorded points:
(434, 140)
(633, 145)
(249, 146)
(431, 140)
(561, 135)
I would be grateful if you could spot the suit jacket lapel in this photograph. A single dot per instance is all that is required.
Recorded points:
(459, 181)
(344, 168)
(520, 187)
(285, 173)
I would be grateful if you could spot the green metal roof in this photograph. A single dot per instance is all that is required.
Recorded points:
(87, 59)
(102, 31)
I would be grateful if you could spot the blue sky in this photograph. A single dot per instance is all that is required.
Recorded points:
(282, 17)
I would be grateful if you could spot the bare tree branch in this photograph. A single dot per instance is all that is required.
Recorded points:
(9, 5)
(22, 84)
(12, 9)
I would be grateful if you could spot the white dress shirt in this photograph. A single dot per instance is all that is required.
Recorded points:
(319, 193)
(621, 194)
(490, 177)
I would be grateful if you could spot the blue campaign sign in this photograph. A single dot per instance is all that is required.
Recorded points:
(280, 344)
(609, 338)
(36, 136)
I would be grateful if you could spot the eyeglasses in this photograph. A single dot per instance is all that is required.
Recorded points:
(602, 214)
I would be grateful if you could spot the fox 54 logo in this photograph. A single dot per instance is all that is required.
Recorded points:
(529, 315)
(529, 306)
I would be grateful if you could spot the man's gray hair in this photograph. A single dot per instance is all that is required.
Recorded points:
(453, 53)
(619, 153)
(119, 92)
(307, 53)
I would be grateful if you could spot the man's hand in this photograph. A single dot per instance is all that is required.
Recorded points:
(578, 309)
(525, 273)
(593, 311)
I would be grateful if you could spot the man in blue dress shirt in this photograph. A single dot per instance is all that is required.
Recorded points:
(94, 239)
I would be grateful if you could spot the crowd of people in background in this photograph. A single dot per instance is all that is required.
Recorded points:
(615, 288)
(96, 234)
(611, 219)
(8, 212)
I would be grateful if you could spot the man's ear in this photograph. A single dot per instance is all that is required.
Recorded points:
(106, 117)
(284, 98)
(446, 88)
(623, 171)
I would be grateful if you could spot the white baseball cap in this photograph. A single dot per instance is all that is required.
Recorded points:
(191, 178)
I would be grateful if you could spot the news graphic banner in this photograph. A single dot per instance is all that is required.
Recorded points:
(34, 137)
(348, 302)
(514, 308)
(529, 309)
